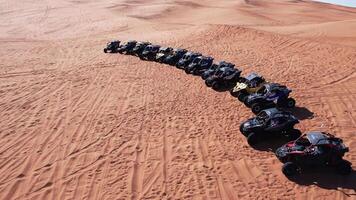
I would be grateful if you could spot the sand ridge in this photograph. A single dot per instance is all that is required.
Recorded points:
(80, 124)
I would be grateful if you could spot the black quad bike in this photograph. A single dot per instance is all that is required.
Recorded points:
(150, 52)
(199, 65)
(127, 47)
(175, 56)
(163, 52)
(187, 59)
(268, 96)
(269, 124)
(214, 68)
(140, 46)
(112, 47)
(223, 79)
(313, 149)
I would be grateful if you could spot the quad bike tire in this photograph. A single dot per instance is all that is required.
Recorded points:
(344, 167)
(242, 96)
(253, 139)
(256, 108)
(234, 94)
(205, 76)
(172, 63)
(290, 169)
(195, 72)
(151, 58)
(246, 103)
(105, 50)
(208, 84)
(215, 86)
(286, 103)
(290, 103)
(187, 70)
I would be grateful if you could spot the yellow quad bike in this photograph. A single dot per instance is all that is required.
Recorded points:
(248, 85)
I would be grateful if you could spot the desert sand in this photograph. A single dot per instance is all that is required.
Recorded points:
(80, 124)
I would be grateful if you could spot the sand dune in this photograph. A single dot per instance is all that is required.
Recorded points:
(80, 124)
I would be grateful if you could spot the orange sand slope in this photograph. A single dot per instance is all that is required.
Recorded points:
(80, 124)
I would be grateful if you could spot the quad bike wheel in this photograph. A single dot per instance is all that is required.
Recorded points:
(242, 96)
(179, 66)
(105, 50)
(290, 103)
(168, 62)
(344, 167)
(195, 72)
(294, 134)
(206, 76)
(151, 58)
(290, 169)
(256, 108)
(253, 139)
(215, 86)
(208, 83)
(187, 70)
(234, 94)
(246, 103)
(172, 62)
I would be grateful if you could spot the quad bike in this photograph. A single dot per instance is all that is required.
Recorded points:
(246, 86)
(175, 56)
(268, 96)
(163, 52)
(140, 46)
(187, 59)
(199, 65)
(313, 149)
(150, 52)
(224, 79)
(268, 124)
(214, 68)
(128, 47)
(112, 47)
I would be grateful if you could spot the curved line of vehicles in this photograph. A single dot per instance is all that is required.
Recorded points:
(265, 99)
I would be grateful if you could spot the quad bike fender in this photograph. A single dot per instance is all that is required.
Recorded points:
(255, 99)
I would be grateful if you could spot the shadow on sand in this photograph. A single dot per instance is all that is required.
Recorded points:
(302, 113)
(271, 145)
(327, 178)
